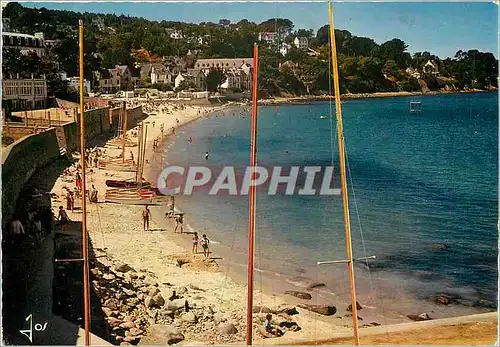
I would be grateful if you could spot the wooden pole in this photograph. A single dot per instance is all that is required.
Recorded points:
(345, 199)
(252, 196)
(143, 158)
(86, 282)
(124, 111)
(139, 152)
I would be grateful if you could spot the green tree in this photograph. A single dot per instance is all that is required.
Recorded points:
(214, 79)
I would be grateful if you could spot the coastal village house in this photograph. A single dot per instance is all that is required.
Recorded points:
(237, 70)
(114, 80)
(197, 77)
(20, 93)
(74, 82)
(431, 67)
(270, 38)
(413, 72)
(301, 43)
(284, 48)
(174, 33)
(160, 74)
(24, 43)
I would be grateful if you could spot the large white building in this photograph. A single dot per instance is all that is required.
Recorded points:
(224, 64)
(24, 42)
(24, 93)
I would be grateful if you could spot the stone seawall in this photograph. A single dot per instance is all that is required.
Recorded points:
(22, 159)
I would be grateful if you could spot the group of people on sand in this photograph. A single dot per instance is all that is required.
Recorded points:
(32, 225)
(92, 156)
(204, 242)
(179, 223)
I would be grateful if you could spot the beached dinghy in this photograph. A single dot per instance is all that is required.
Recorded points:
(131, 197)
(126, 184)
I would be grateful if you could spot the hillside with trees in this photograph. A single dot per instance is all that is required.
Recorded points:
(365, 65)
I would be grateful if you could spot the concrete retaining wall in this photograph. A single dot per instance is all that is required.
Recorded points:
(22, 159)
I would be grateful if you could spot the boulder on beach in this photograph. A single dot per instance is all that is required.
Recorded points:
(300, 295)
(316, 285)
(122, 267)
(321, 309)
(226, 329)
(358, 307)
(160, 334)
(189, 317)
(261, 309)
(175, 305)
(290, 311)
(419, 318)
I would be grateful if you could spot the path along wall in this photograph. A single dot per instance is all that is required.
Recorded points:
(27, 155)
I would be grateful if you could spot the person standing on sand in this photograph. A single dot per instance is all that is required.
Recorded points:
(146, 215)
(62, 218)
(195, 242)
(78, 181)
(179, 221)
(207, 155)
(68, 201)
(205, 243)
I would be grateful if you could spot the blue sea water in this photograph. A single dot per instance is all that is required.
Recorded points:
(420, 180)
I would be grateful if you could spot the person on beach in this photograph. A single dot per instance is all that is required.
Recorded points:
(179, 222)
(96, 160)
(16, 230)
(68, 201)
(146, 215)
(72, 200)
(195, 242)
(205, 243)
(132, 156)
(78, 181)
(62, 218)
(269, 327)
(207, 155)
(190, 139)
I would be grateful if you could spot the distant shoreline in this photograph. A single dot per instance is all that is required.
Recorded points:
(303, 100)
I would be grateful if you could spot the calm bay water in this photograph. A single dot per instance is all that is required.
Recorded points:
(425, 188)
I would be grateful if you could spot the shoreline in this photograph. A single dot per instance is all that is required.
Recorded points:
(158, 250)
(326, 296)
(305, 100)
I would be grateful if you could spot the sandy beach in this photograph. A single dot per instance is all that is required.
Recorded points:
(116, 234)
(163, 259)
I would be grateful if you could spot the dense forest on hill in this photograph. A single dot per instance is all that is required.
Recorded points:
(365, 65)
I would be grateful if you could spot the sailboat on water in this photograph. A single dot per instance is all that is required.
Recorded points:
(345, 200)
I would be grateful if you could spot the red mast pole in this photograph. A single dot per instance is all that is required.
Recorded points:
(252, 195)
(86, 280)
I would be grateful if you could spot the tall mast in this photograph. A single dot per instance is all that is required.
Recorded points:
(86, 282)
(123, 111)
(345, 199)
(252, 194)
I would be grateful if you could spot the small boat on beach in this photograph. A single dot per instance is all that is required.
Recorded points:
(127, 184)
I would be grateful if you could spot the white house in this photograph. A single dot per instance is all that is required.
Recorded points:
(412, 72)
(74, 82)
(285, 48)
(268, 37)
(174, 33)
(178, 80)
(160, 74)
(431, 67)
(301, 42)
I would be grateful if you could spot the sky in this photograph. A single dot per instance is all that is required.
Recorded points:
(441, 28)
